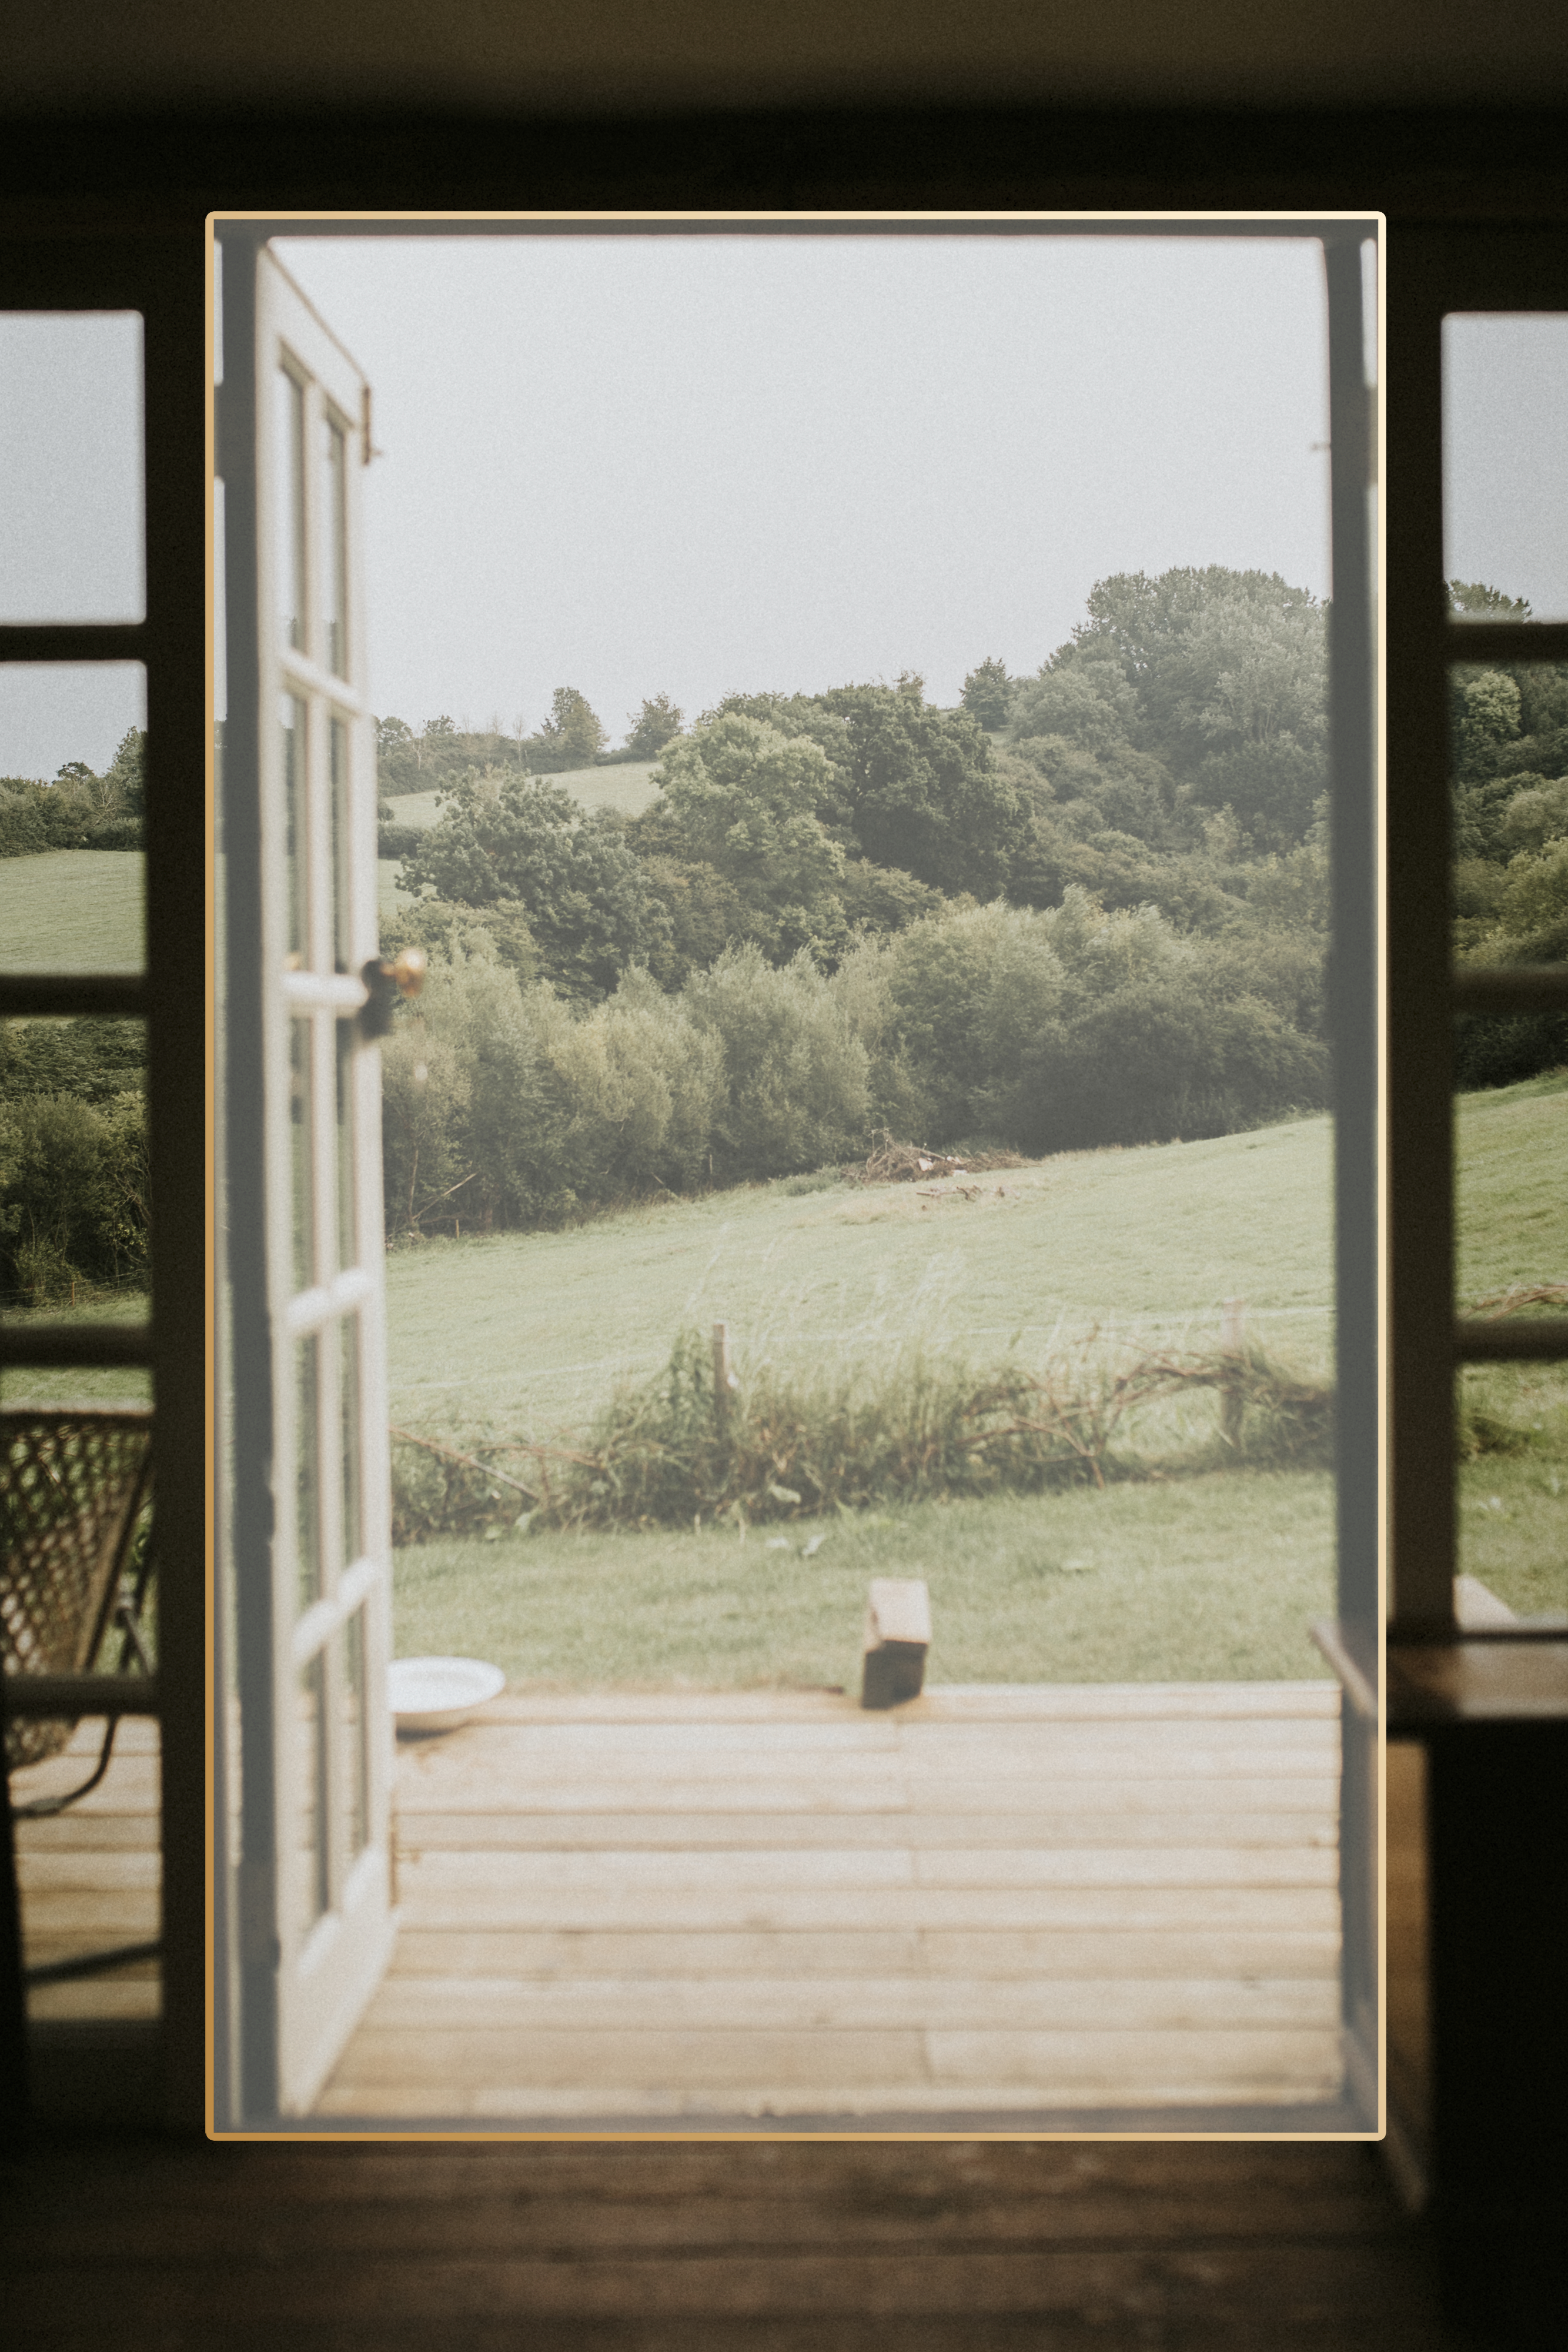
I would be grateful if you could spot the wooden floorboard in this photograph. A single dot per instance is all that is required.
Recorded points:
(1005, 1899)
(958, 2246)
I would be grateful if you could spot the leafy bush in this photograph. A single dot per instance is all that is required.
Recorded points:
(795, 1077)
(75, 1195)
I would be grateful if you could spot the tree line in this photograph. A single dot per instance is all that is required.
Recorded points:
(1508, 725)
(79, 809)
(1081, 908)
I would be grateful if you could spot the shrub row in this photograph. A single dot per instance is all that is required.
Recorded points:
(1042, 1032)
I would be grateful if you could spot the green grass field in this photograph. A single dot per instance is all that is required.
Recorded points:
(531, 1332)
(72, 910)
(627, 787)
(1202, 1577)
(1208, 1580)
(1513, 1228)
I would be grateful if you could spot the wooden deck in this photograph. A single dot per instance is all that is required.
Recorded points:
(993, 1905)
(90, 1877)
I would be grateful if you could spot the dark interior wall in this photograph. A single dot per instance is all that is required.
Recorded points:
(629, 54)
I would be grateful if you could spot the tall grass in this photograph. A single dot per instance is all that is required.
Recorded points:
(791, 1443)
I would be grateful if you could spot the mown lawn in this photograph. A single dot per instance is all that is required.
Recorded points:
(72, 910)
(1212, 1579)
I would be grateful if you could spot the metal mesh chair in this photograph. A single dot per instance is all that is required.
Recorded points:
(73, 1484)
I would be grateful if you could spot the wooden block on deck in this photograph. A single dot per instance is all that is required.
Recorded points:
(898, 1636)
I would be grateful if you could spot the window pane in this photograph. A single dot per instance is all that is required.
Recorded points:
(71, 485)
(314, 1883)
(1512, 1422)
(296, 837)
(289, 493)
(358, 1726)
(72, 751)
(349, 1388)
(307, 1468)
(301, 1102)
(347, 1248)
(1511, 1265)
(335, 554)
(74, 1196)
(1505, 457)
(342, 848)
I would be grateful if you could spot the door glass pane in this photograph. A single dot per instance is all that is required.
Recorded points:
(72, 755)
(301, 1094)
(347, 1251)
(1505, 458)
(334, 554)
(348, 1387)
(342, 861)
(291, 711)
(307, 1467)
(71, 481)
(357, 1723)
(314, 1882)
(289, 457)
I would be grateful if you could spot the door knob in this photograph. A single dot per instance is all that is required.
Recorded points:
(384, 983)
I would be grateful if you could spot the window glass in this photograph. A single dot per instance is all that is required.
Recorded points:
(72, 756)
(307, 1467)
(71, 478)
(1505, 458)
(289, 457)
(292, 713)
(75, 1193)
(358, 1726)
(314, 1883)
(302, 1104)
(335, 550)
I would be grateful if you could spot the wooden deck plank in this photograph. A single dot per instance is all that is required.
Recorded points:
(865, 2001)
(1206, 1823)
(429, 1905)
(1019, 1954)
(956, 1702)
(455, 1874)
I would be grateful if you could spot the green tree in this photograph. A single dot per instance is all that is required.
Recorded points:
(571, 735)
(922, 791)
(739, 797)
(653, 725)
(987, 693)
(514, 840)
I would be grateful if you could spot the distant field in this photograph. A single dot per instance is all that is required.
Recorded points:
(627, 788)
(72, 910)
(533, 1331)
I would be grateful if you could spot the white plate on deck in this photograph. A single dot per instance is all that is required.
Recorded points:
(438, 1693)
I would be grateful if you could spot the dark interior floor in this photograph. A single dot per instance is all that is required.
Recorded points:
(149, 2245)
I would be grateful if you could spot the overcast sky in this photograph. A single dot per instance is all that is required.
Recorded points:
(1505, 501)
(696, 465)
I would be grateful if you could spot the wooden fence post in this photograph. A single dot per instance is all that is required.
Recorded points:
(725, 1382)
(1233, 1351)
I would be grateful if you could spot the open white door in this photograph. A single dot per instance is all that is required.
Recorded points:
(312, 1608)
